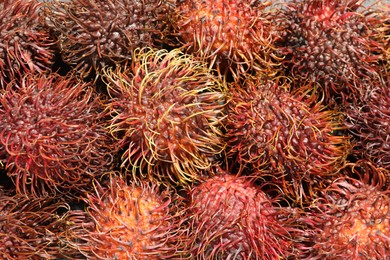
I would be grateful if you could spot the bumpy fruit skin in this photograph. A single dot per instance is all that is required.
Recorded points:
(330, 42)
(52, 134)
(128, 221)
(29, 228)
(166, 113)
(25, 45)
(290, 136)
(93, 34)
(232, 218)
(351, 221)
(230, 34)
(368, 119)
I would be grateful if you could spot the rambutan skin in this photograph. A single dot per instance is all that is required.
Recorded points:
(351, 220)
(140, 220)
(290, 136)
(229, 217)
(52, 134)
(93, 34)
(230, 34)
(167, 112)
(25, 45)
(29, 228)
(333, 43)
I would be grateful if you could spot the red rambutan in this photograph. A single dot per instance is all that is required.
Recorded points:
(29, 228)
(229, 217)
(291, 136)
(368, 119)
(166, 113)
(25, 45)
(331, 42)
(52, 134)
(122, 221)
(93, 34)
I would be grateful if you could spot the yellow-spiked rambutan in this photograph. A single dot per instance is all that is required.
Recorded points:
(233, 35)
(290, 136)
(93, 34)
(53, 136)
(230, 217)
(351, 220)
(25, 45)
(331, 42)
(127, 221)
(166, 113)
(29, 228)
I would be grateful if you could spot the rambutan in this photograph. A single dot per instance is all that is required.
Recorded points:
(290, 136)
(232, 35)
(25, 46)
(368, 119)
(127, 221)
(93, 34)
(166, 114)
(351, 220)
(331, 42)
(52, 134)
(229, 217)
(29, 228)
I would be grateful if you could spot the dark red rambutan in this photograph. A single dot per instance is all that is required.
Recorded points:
(333, 43)
(368, 119)
(29, 228)
(290, 136)
(52, 134)
(351, 220)
(232, 35)
(25, 45)
(127, 221)
(229, 217)
(93, 34)
(166, 113)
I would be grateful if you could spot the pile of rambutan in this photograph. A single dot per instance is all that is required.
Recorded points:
(194, 129)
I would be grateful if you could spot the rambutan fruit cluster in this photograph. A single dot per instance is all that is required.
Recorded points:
(25, 45)
(166, 114)
(52, 134)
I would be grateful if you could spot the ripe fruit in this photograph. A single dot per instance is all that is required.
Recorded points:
(352, 221)
(25, 46)
(29, 228)
(166, 114)
(231, 34)
(127, 221)
(290, 136)
(229, 217)
(93, 34)
(52, 134)
(329, 42)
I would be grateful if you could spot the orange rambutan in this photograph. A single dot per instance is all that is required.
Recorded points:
(127, 221)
